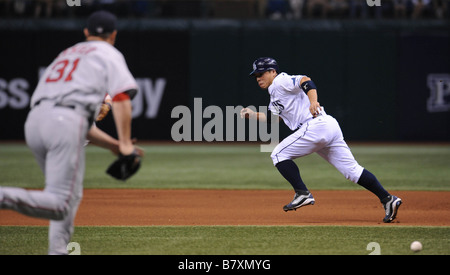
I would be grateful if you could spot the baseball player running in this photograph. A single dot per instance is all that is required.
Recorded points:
(63, 107)
(294, 99)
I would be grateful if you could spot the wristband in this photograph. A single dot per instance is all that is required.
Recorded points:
(307, 86)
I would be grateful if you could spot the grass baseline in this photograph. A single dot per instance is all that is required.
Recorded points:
(233, 240)
(399, 167)
(204, 166)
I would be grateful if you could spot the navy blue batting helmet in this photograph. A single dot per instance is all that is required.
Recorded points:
(263, 64)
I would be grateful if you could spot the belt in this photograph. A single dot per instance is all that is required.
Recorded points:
(86, 112)
(65, 106)
(57, 104)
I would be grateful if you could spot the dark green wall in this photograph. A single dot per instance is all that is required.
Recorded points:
(372, 75)
(355, 71)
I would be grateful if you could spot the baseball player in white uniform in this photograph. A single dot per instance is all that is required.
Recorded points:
(294, 99)
(63, 107)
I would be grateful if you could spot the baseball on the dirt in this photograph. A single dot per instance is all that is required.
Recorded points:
(416, 246)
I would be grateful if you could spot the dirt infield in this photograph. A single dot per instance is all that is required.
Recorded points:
(245, 207)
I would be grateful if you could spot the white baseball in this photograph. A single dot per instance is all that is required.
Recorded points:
(416, 246)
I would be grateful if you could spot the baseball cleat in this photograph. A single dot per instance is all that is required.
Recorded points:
(391, 208)
(299, 201)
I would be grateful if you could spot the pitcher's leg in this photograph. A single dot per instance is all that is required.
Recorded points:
(72, 174)
(34, 140)
(46, 204)
(60, 232)
(38, 204)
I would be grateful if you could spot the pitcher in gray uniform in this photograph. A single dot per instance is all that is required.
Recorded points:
(63, 106)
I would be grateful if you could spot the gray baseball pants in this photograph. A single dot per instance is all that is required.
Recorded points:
(56, 135)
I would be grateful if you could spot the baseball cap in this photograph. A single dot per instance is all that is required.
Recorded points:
(101, 22)
(263, 64)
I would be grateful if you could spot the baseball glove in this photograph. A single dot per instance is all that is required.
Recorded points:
(104, 110)
(124, 166)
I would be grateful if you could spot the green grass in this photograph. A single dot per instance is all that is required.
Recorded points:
(398, 167)
(234, 240)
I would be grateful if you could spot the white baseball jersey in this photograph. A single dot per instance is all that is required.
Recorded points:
(289, 101)
(83, 74)
(321, 134)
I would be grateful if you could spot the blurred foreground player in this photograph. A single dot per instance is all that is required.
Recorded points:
(67, 99)
(294, 99)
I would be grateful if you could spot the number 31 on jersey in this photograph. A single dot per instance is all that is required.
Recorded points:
(58, 70)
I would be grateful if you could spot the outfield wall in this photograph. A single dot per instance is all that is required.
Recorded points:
(382, 80)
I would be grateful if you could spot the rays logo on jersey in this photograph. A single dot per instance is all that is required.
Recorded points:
(277, 106)
(439, 100)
